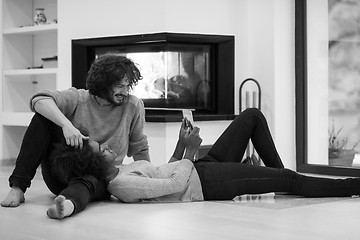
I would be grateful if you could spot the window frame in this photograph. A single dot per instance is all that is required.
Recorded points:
(301, 111)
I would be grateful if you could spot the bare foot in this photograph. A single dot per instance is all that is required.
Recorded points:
(61, 209)
(14, 198)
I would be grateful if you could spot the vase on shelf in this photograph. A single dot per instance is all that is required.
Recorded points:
(40, 17)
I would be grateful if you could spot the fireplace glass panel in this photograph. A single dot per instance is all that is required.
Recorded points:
(174, 76)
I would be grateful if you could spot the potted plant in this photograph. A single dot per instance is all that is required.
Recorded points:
(339, 154)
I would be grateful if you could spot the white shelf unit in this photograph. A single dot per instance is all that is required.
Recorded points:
(30, 30)
(23, 45)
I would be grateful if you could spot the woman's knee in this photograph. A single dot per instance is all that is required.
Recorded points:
(252, 112)
(248, 114)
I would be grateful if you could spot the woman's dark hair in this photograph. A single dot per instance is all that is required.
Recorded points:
(69, 162)
(109, 69)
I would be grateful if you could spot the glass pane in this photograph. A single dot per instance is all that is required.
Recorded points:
(174, 78)
(333, 82)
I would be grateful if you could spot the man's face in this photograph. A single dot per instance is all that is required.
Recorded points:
(119, 92)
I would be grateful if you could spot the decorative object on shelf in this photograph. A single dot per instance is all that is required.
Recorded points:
(40, 17)
(50, 62)
(36, 67)
(339, 155)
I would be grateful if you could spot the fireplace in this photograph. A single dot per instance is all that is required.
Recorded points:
(191, 71)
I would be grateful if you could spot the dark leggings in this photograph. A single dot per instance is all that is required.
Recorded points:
(224, 177)
(39, 140)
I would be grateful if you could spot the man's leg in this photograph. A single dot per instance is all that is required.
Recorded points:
(35, 148)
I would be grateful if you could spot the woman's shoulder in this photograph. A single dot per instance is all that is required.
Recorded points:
(135, 164)
(140, 167)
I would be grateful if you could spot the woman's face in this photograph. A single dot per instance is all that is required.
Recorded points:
(109, 154)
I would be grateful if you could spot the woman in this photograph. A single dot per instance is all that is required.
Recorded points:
(220, 175)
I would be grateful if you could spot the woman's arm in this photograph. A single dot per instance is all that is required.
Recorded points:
(189, 142)
(193, 141)
(180, 145)
(135, 187)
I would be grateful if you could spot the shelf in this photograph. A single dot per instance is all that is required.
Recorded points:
(30, 30)
(24, 45)
(20, 119)
(28, 72)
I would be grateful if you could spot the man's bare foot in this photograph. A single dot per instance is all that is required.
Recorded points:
(61, 209)
(14, 198)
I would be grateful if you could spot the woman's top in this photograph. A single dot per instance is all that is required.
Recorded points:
(120, 127)
(141, 181)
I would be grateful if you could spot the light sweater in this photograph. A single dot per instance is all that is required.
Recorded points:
(141, 181)
(120, 127)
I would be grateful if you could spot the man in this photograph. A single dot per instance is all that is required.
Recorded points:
(106, 113)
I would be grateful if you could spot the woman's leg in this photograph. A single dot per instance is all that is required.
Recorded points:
(80, 192)
(249, 125)
(224, 181)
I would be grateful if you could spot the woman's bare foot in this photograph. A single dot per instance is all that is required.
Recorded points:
(14, 198)
(61, 209)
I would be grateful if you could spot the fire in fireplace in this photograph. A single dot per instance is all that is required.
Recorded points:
(179, 71)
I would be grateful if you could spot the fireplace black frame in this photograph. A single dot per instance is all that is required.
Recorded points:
(222, 50)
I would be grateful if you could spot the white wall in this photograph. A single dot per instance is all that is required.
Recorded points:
(263, 31)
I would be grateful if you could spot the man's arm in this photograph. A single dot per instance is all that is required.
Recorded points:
(138, 143)
(48, 108)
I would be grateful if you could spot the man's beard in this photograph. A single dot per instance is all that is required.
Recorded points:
(114, 102)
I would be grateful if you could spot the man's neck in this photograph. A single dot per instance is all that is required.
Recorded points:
(102, 101)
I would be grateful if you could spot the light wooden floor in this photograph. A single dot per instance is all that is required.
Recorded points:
(249, 217)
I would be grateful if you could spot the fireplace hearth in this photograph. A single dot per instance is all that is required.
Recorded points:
(192, 71)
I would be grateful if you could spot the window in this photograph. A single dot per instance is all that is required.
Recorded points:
(328, 86)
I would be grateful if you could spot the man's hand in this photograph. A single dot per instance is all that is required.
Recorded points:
(73, 136)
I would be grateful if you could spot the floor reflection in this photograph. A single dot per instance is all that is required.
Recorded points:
(277, 201)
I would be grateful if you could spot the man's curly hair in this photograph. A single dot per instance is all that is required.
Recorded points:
(69, 162)
(109, 69)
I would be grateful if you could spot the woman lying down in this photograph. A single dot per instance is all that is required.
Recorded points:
(218, 176)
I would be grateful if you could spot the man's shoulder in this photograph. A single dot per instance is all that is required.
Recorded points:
(132, 99)
(82, 94)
